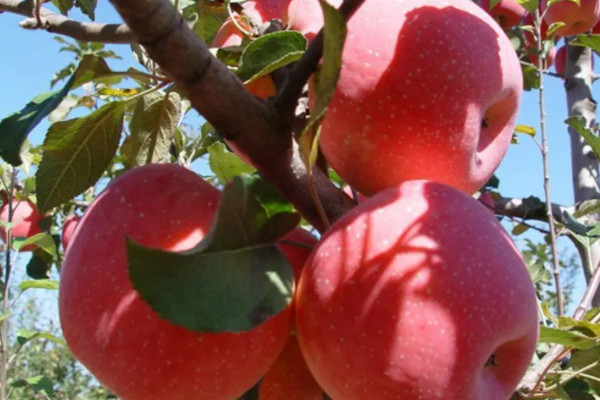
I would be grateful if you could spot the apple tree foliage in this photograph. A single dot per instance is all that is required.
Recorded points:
(129, 118)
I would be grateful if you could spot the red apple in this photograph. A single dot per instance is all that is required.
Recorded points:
(578, 18)
(596, 29)
(507, 13)
(305, 16)
(26, 221)
(561, 61)
(68, 230)
(417, 293)
(115, 334)
(289, 378)
(396, 115)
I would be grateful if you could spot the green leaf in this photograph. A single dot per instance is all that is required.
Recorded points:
(94, 68)
(531, 79)
(64, 6)
(587, 207)
(584, 359)
(17, 126)
(519, 229)
(39, 284)
(585, 234)
(585, 327)
(24, 336)
(539, 273)
(327, 76)
(566, 338)
(529, 5)
(236, 278)
(525, 129)
(43, 240)
(554, 27)
(587, 40)
(76, 153)
(88, 7)
(40, 264)
(226, 165)
(579, 125)
(270, 52)
(39, 384)
(205, 18)
(153, 126)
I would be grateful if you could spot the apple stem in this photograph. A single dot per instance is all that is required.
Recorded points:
(5, 297)
(545, 151)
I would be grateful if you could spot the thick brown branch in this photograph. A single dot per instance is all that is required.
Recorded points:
(530, 208)
(56, 23)
(251, 126)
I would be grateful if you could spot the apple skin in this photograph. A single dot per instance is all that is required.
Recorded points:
(397, 116)
(577, 18)
(69, 229)
(115, 334)
(408, 296)
(305, 16)
(507, 13)
(289, 378)
(26, 219)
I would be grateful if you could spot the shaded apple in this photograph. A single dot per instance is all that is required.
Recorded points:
(507, 13)
(68, 230)
(26, 221)
(115, 334)
(417, 293)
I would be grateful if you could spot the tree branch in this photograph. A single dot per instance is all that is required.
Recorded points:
(305, 67)
(534, 374)
(56, 23)
(530, 208)
(257, 131)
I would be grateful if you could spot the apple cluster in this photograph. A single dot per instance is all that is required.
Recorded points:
(416, 293)
(568, 18)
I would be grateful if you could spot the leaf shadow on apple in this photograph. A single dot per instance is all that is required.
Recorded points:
(417, 292)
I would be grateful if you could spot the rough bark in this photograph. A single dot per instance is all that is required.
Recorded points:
(578, 85)
(257, 130)
(56, 23)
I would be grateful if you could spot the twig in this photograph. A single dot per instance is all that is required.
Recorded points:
(5, 303)
(56, 23)
(542, 105)
(537, 372)
(288, 97)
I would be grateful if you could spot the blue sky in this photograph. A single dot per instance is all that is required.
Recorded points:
(30, 58)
